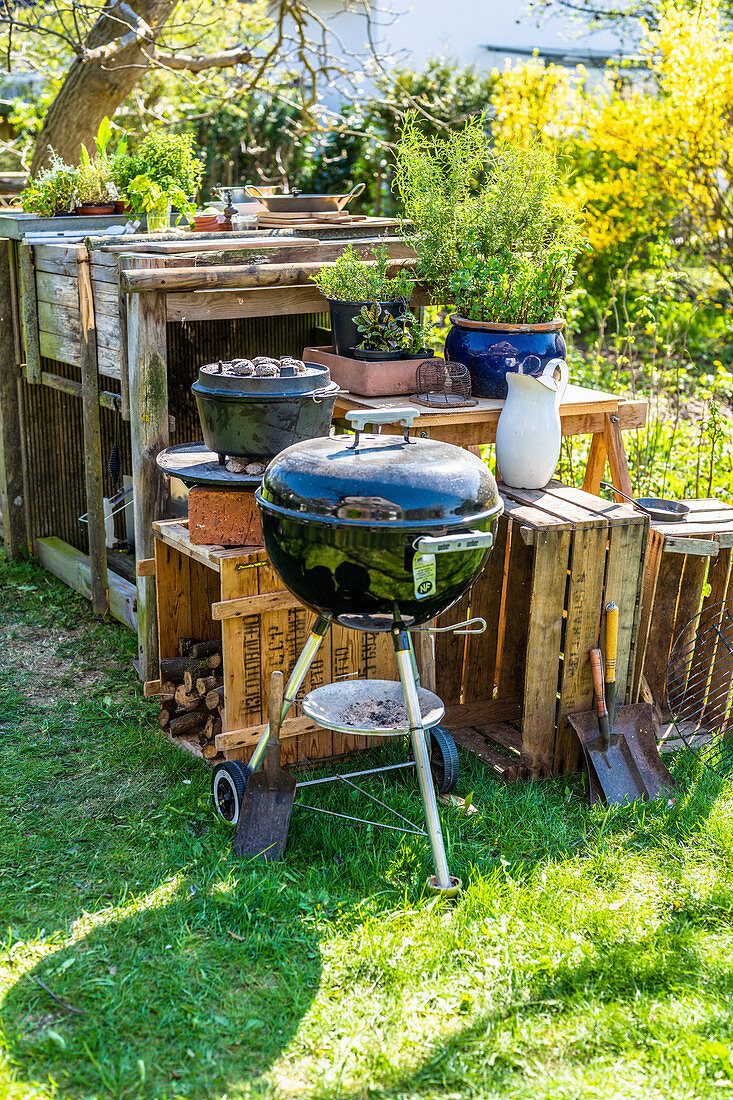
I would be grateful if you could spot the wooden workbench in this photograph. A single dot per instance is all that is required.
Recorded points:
(583, 412)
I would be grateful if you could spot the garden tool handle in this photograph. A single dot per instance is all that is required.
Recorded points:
(611, 650)
(596, 669)
(272, 757)
(611, 641)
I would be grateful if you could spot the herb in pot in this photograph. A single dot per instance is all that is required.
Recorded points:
(93, 181)
(415, 336)
(381, 334)
(353, 279)
(51, 191)
(352, 282)
(155, 200)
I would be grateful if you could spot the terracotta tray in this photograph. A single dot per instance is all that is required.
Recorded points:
(384, 378)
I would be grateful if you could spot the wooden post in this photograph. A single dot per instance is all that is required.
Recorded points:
(124, 376)
(595, 466)
(29, 312)
(147, 364)
(12, 494)
(92, 438)
(614, 440)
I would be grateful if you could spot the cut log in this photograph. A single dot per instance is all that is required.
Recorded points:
(205, 649)
(215, 697)
(174, 668)
(214, 661)
(187, 700)
(204, 684)
(187, 723)
(212, 729)
(165, 716)
(189, 682)
(185, 645)
(209, 751)
(167, 688)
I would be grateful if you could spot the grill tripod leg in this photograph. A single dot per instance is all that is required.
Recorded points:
(405, 664)
(321, 627)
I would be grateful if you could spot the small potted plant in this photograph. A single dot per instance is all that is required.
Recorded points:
(155, 201)
(167, 173)
(381, 335)
(352, 283)
(51, 192)
(92, 186)
(415, 338)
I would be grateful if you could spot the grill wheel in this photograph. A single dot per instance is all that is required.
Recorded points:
(227, 788)
(443, 759)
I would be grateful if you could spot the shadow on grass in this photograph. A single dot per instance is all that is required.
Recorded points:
(163, 1009)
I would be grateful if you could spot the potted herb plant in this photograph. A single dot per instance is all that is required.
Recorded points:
(495, 237)
(164, 172)
(51, 192)
(92, 186)
(381, 335)
(352, 283)
(415, 338)
(155, 201)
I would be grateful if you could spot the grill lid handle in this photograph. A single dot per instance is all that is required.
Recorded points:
(446, 544)
(359, 418)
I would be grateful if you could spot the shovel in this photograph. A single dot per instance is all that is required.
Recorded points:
(620, 747)
(267, 802)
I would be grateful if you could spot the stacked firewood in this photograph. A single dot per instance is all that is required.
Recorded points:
(192, 690)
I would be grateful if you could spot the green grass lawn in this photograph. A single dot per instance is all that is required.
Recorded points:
(589, 956)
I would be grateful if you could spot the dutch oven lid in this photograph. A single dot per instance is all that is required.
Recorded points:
(383, 480)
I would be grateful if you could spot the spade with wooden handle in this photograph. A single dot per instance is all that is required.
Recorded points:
(267, 802)
(620, 745)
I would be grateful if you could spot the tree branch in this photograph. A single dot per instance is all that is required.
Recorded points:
(138, 32)
(237, 55)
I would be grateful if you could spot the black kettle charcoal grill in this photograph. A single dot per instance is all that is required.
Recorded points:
(377, 533)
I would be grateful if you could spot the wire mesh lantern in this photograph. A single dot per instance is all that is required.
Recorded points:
(700, 688)
(442, 384)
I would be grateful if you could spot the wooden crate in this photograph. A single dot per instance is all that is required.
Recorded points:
(560, 556)
(210, 592)
(688, 568)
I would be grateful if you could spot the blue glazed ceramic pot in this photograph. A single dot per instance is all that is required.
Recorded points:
(491, 351)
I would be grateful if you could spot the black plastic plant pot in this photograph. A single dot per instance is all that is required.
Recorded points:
(248, 417)
(343, 322)
(368, 356)
(424, 353)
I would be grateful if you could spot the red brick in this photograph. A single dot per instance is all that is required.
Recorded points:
(223, 518)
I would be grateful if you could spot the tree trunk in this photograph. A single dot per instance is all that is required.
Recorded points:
(95, 88)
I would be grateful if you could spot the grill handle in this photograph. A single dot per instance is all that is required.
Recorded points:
(445, 544)
(359, 418)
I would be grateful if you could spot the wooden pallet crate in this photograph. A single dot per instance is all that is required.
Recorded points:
(209, 592)
(688, 568)
(560, 555)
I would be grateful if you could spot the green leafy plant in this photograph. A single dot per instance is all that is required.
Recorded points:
(415, 335)
(148, 197)
(353, 279)
(51, 191)
(93, 180)
(379, 330)
(170, 160)
(490, 225)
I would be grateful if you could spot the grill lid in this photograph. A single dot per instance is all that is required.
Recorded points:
(384, 480)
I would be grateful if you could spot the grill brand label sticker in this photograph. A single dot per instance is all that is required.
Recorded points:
(423, 575)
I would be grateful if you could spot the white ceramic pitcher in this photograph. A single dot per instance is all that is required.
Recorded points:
(528, 434)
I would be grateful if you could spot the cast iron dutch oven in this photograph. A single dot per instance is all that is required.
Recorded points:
(256, 417)
(364, 527)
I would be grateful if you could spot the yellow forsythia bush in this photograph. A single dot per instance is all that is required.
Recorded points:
(648, 150)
